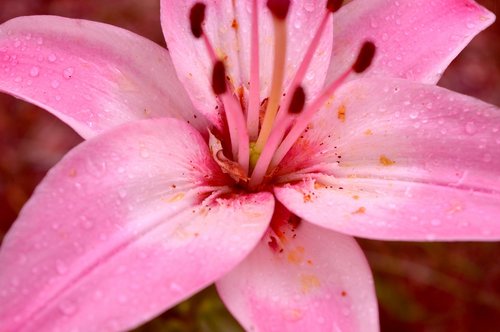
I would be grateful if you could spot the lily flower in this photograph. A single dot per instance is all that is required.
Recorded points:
(247, 155)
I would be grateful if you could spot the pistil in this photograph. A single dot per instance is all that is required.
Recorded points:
(289, 118)
(362, 62)
(235, 119)
(279, 10)
(254, 94)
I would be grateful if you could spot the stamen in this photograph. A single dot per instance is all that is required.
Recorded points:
(362, 62)
(279, 8)
(235, 119)
(365, 57)
(196, 18)
(280, 41)
(254, 97)
(298, 101)
(301, 72)
(275, 138)
(333, 5)
(219, 78)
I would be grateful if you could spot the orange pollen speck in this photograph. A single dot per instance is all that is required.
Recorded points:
(309, 282)
(234, 24)
(368, 132)
(386, 161)
(307, 198)
(361, 210)
(341, 113)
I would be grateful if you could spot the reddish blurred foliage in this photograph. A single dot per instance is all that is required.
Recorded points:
(421, 286)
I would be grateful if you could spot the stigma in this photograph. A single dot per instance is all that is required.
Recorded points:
(261, 130)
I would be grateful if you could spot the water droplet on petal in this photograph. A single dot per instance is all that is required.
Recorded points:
(35, 71)
(87, 224)
(68, 72)
(122, 193)
(122, 299)
(435, 222)
(55, 84)
(52, 57)
(98, 295)
(176, 288)
(470, 128)
(96, 168)
(61, 268)
(67, 308)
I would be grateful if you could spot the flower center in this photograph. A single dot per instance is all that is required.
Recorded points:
(261, 135)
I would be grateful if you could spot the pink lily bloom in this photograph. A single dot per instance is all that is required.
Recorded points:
(249, 154)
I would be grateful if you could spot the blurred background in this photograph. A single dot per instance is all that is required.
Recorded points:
(420, 286)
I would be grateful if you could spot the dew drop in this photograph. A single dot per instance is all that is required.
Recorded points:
(430, 237)
(87, 224)
(487, 157)
(67, 308)
(14, 282)
(122, 299)
(435, 222)
(144, 153)
(175, 287)
(68, 72)
(96, 168)
(55, 84)
(122, 193)
(22, 259)
(17, 43)
(35, 71)
(98, 295)
(309, 6)
(61, 268)
(470, 128)
(52, 58)
(414, 115)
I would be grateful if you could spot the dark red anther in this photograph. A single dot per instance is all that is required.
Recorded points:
(333, 5)
(365, 57)
(219, 78)
(196, 18)
(298, 101)
(279, 8)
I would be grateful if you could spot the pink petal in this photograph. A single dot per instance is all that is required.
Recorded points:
(320, 282)
(123, 228)
(195, 68)
(91, 75)
(407, 161)
(415, 39)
